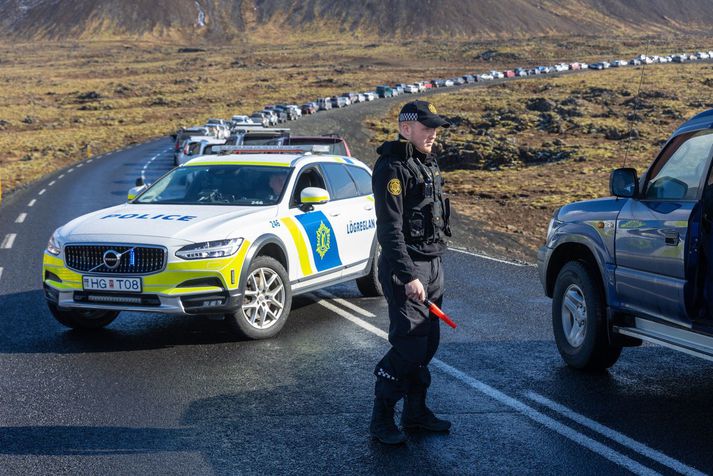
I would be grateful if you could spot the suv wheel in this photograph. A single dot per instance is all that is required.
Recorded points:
(369, 284)
(579, 319)
(267, 299)
(82, 318)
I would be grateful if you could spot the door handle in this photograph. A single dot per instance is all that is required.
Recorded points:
(671, 237)
(335, 214)
(368, 207)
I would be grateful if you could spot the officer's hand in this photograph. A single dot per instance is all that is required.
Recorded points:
(415, 291)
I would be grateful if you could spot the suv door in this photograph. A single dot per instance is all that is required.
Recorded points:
(652, 230)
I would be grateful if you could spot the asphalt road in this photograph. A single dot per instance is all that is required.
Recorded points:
(178, 395)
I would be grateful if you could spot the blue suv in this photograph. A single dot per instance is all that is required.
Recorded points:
(634, 267)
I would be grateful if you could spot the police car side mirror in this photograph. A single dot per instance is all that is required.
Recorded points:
(135, 191)
(311, 196)
(623, 183)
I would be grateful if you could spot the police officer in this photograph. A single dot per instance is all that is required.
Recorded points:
(412, 226)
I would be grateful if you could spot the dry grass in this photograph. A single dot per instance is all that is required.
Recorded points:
(148, 89)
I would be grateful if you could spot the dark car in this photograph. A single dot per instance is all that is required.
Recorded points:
(259, 118)
(309, 108)
(384, 91)
(332, 144)
(469, 78)
(637, 266)
(339, 101)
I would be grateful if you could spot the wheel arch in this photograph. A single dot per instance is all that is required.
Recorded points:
(265, 245)
(574, 251)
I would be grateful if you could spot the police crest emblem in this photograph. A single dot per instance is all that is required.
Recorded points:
(394, 186)
(323, 239)
(432, 108)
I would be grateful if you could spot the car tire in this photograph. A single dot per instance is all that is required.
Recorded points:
(579, 319)
(259, 302)
(369, 284)
(82, 318)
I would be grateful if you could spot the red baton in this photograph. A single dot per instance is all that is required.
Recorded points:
(435, 310)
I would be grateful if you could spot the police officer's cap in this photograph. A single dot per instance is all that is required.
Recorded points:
(423, 112)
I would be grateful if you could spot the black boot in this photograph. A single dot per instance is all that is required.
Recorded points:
(382, 425)
(416, 414)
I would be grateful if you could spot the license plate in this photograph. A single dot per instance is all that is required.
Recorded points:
(103, 283)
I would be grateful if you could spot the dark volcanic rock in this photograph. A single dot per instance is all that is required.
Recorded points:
(540, 105)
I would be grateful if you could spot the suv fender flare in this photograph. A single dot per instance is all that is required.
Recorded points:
(255, 247)
(578, 236)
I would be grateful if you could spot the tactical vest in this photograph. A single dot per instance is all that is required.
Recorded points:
(427, 220)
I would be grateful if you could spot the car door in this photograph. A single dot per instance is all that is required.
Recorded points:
(652, 230)
(314, 232)
(352, 210)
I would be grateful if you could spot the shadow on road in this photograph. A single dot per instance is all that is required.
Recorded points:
(26, 326)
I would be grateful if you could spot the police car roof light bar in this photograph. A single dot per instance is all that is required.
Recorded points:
(258, 149)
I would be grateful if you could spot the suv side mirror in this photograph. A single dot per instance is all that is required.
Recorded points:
(623, 183)
(311, 196)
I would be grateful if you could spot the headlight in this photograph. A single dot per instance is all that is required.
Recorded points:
(210, 249)
(54, 247)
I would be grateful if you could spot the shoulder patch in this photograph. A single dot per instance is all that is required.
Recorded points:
(394, 186)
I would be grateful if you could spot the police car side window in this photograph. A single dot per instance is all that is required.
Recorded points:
(341, 182)
(362, 179)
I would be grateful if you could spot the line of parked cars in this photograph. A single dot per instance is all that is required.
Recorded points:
(194, 141)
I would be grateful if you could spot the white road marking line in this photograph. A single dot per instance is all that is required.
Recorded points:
(90, 161)
(52, 183)
(41, 192)
(21, 218)
(8, 241)
(32, 202)
(60, 177)
(70, 170)
(458, 250)
(80, 165)
(347, 304)
(564, 430)
(623, 440)
(1, 272)
(146, 166)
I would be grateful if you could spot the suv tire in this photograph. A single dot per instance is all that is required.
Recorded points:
(82, 318)
(369, 284)
(267, 299)
(579, 319)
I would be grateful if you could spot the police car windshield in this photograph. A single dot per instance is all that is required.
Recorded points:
(251, 185)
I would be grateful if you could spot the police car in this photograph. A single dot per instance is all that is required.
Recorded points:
(236, 235)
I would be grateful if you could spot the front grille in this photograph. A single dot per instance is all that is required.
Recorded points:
(133, 260)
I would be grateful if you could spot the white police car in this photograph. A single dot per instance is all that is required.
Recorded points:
(235, 235)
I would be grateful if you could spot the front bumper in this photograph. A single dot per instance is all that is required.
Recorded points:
(203, 303)
(185, 287)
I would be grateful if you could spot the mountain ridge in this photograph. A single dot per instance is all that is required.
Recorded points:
(234, 19)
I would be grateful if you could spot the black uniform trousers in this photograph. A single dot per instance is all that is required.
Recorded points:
(414, 333)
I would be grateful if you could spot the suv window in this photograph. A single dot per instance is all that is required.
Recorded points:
(341, 182)
(309, 177)
(678, 174)
(362, 179)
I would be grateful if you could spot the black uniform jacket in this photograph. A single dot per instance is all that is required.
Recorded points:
(395, 192)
